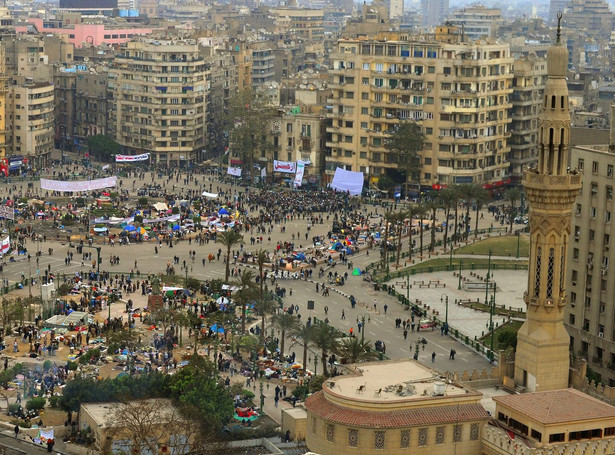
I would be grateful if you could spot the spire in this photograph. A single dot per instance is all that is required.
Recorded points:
(559, 27)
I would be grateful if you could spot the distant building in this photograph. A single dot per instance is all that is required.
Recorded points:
(476, 22)
(434, 12)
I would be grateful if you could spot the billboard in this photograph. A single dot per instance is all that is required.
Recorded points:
(88, 4)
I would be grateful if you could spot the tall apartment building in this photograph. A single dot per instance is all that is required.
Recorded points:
(263, 63)
(590, 318)
(458, 91)
(159, 100)
(434, 12)
(305, 23)
(30, 121)
(530, 76)
(477, 21)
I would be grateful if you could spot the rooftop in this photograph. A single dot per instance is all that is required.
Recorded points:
(557, 406)
(393, 381)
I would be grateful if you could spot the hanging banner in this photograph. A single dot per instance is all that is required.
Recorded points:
(263, 173)
(5, 246)
(75, 187)
(7, 212)
(299, 174)
(236, 171)
(131, 158)
(288, 167)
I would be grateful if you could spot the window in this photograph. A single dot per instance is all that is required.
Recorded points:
(365, 96)
(364, 111)
(422, 441)
(330, 432)
(353, 438)
(609, 170)
(440, 433)
(594, 167)
(474, 432)
(572, 319)
(609, 192)
(404, 442)
(592, 212)
(580, 164)
(575, 254)
(447, 70)
(536, 435)
(457, 432)
(379, 440)
(607, 217)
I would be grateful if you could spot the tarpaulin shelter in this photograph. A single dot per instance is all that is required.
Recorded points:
(348, 181)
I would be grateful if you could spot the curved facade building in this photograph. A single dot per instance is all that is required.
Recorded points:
(394, 408)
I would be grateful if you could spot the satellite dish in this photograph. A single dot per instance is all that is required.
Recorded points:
(302, 86)
(86, 59)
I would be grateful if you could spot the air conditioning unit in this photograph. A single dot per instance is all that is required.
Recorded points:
(601, 334)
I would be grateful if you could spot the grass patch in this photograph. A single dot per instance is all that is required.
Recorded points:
(505, 245)
(510, 326)
(442, 265)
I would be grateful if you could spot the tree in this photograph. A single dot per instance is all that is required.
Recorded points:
(507, 339)
(410, 213)
(405, 142)
(248, 122)
(512, 195)
(229, 239)
(245, 294)
(398, 220)
(285, 323)
(10, 310)
(303, 333)
(354, 350)
(261, 259)
(389, 217)
(432, 206)
(102, 147)
(481, 196)
(449, 198)
(421, 212)
(324, 338)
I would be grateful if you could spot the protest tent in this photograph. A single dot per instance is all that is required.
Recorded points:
(348, 181)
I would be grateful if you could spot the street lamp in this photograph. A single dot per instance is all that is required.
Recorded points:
(460, 265)
(362, 317)
(446, 313)
(518, 241)
(488, 276)
(492, 312)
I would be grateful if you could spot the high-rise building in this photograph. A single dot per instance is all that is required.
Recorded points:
(457, 91)
(542, 358)
(159, 100)
(590, 316)
(434, 12)
(30, 121)
(530, 76)
(477, 21)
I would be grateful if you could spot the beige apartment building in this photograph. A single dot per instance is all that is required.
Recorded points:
(159, 100)
(530, 77)
(459, 92)
(30, 121)
(307, 24)
(590, 317)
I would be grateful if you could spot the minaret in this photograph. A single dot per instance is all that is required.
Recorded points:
(542, 360)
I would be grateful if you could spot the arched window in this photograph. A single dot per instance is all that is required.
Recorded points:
(563, 102)
(537, 275)
(553, 102)
(550, 271)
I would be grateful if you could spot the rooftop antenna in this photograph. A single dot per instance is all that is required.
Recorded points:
(559, 27)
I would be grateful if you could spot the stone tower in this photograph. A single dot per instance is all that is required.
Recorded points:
(542, 360)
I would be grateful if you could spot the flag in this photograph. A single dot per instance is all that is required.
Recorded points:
(299, 174)
(511, 435)
(5, 246)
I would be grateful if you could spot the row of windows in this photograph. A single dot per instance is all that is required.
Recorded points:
(421, 437)
(595, 167)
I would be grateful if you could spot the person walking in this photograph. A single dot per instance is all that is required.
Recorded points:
(343, 315)
(16, 429)
(433, 357)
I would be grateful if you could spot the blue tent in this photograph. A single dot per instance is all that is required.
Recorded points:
(130, 228)
(217, 329)
(176, 227)
(223, 211)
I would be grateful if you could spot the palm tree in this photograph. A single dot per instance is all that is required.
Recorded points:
(480, 197)
(421, 211)
(467, 192)
(261, 258)
(229, 239)
(398, 220)
(410, 213)
(354, 350)
(432, 207)
(324, 338)
(245, 294)
(448, 196)
(389, 217)
(285, 323)
(303, 333)
(265, 307)
(512, 195)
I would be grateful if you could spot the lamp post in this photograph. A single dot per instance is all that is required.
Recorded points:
(362, 317)
(460, 265)
(446, 313)
(450, 247)
(488, 276)
(262, 396)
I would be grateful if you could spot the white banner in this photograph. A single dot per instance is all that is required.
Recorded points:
(131, 158)
(106, 166)
(263, 173)
(84, 185)
(299, 174)
(7, 212)
(5, 246)
(288, 167)
(236, 171)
